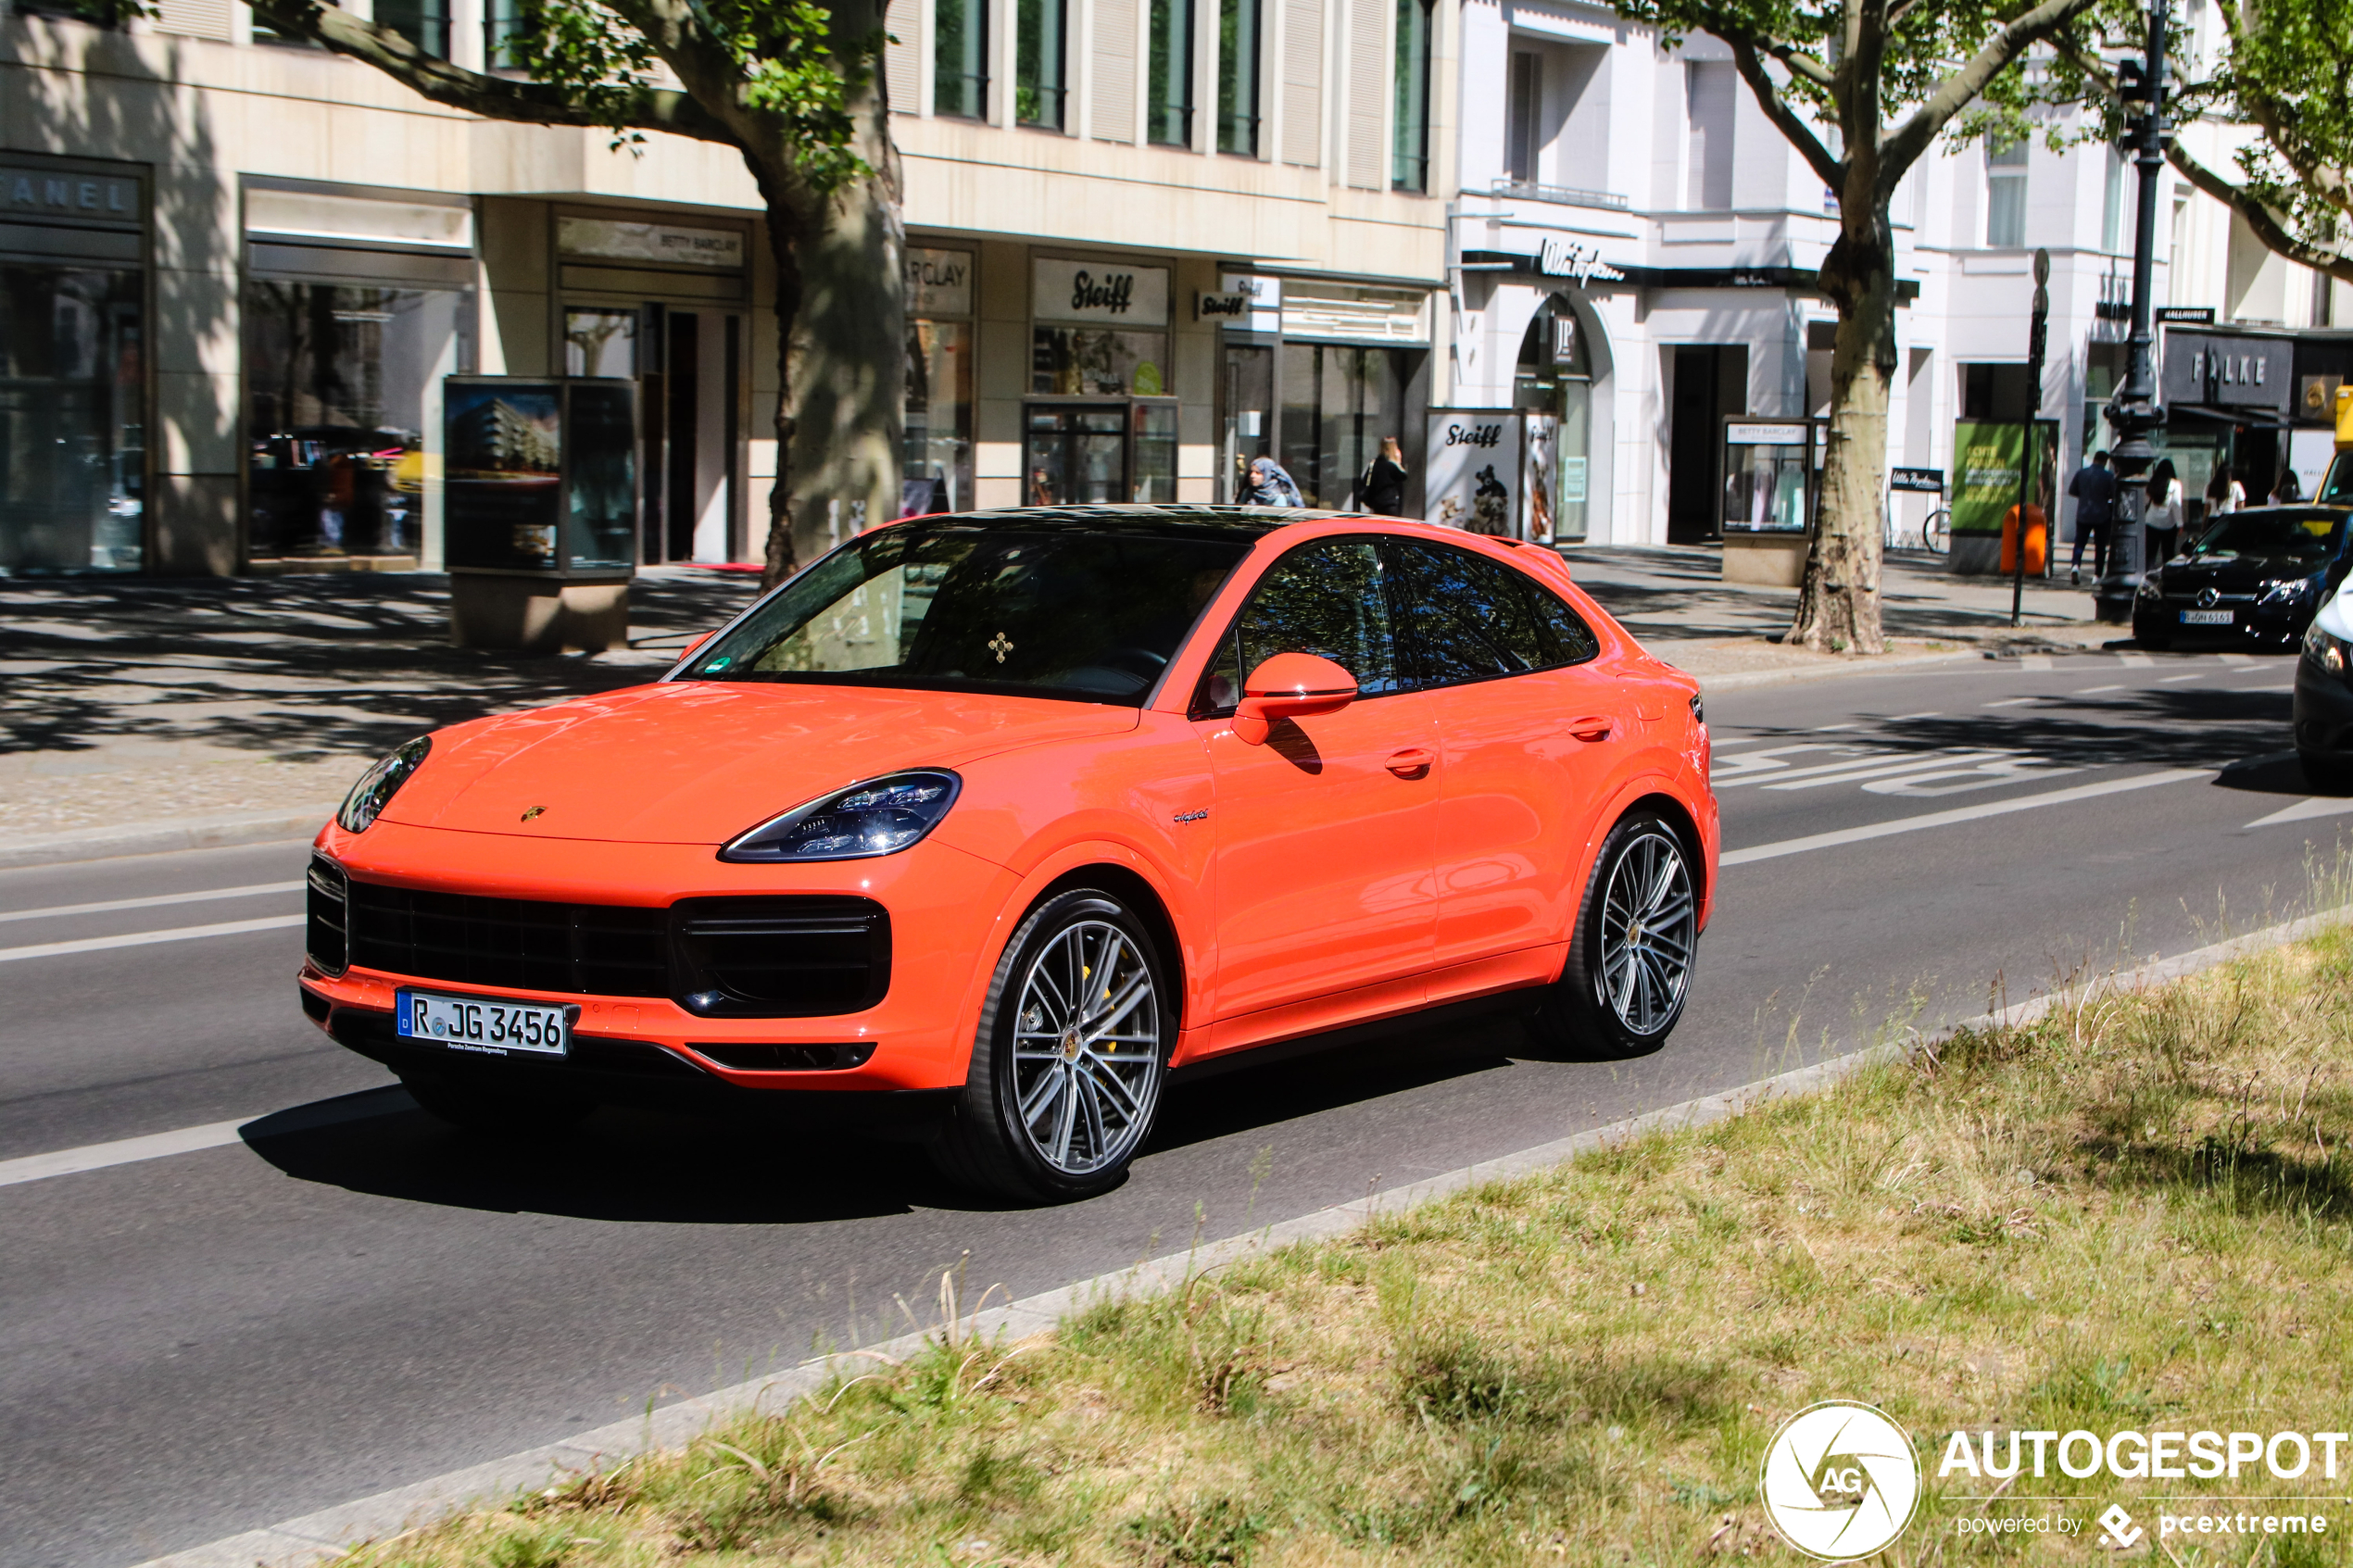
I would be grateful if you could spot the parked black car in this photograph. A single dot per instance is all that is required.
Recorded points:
(2260, 573)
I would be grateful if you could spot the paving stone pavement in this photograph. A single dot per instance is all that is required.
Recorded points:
(151, 701)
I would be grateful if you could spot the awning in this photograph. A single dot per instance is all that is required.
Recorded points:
(2245, 414)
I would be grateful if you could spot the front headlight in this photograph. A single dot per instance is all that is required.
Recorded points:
(2325, 650)
(879, 817)
(380, 783)
(2153, 586)
(2289, 591)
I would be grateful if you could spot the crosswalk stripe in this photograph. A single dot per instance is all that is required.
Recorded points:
(59, 912)
(1960, 814)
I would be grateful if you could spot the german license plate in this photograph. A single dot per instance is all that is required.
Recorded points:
(481, 1024)
(2205, 618)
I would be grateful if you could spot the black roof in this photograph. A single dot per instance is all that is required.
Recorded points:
(1170, 519)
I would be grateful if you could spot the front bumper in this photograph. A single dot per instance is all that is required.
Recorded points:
(943, 906)
(2323, 712)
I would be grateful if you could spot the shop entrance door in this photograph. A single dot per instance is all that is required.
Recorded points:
(688, 366)
(1711, 380)
(1075, 455)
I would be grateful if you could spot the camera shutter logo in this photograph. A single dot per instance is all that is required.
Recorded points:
(1840, 1480)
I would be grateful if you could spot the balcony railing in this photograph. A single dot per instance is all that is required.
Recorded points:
(1567, 195)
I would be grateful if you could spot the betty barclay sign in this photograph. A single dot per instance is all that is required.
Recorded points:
(1107, 294)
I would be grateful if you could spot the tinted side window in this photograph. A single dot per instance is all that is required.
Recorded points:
(1330, 598)
(1568, 640)
(1470, 618)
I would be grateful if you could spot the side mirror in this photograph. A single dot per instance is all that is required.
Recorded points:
(693, 647)
(1290, 686)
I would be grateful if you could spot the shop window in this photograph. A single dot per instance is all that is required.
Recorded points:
(98, 13)
(1038, 65)
(1338, 401)
(424, 23)
(1088, 362)
(1238, 77)
(343, 388)
(72, 458)
(937, 457)
(1555, 377)
(1169, 114)
(960, 58)
(1409, 149)
(1155, 477)
(600, 342)
(2004, 193)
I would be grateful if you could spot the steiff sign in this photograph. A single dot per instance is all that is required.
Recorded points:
(1109, 294)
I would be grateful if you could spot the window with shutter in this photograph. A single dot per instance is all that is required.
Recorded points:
(1114, 86)
(902, 68)
(1367, 100)
(1710, 86)
(1302, 82)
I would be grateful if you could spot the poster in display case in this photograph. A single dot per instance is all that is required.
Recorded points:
(1768, 481)
(1472, 478)
(540, 476)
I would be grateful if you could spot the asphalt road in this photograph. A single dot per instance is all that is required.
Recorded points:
(349, 1298)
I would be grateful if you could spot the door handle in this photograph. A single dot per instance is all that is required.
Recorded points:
(1598, 727)
(1410, 763)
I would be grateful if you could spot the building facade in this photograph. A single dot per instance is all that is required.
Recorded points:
(1150, 240)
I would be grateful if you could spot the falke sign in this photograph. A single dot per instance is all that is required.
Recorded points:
(1097, 293)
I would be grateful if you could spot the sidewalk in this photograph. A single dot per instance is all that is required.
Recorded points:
(236, 708)
(145, 715)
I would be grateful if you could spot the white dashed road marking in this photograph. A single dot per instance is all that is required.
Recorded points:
(60, 911)
(146, 938)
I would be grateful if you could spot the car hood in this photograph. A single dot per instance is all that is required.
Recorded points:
(2235, 573)
(700, 761)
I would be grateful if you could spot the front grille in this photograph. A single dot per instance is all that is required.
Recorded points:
(324, 937)
(601, 949)
(804, 955)
(797, 955)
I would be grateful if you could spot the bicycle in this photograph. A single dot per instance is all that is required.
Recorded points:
(1936, 531)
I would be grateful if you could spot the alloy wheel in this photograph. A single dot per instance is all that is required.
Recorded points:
(1649, 922)
(1086, 1049)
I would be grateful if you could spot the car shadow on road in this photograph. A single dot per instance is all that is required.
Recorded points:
(625, 1165)
(675, 1168)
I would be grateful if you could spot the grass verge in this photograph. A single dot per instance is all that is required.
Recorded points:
(2133, 1213)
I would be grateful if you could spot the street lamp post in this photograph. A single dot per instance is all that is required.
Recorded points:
(2134, 412)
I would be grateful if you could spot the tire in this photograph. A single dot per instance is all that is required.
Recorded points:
(1936, 531)
(1090, 1109)
(497, 1113)
(1614, 999)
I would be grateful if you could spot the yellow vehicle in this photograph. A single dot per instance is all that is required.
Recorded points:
(2336, 486)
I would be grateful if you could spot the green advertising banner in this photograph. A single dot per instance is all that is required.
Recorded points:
(1985, 472)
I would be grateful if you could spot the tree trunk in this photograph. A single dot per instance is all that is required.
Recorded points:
(1838, 603)
(841, 336)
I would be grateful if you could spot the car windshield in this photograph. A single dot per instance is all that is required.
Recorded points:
(2274, 530)
(2336, 486)
(1091, 616)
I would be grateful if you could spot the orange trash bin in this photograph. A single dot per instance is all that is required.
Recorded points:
(2038, 541)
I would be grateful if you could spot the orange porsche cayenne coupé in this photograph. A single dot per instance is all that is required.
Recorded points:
(982, 825)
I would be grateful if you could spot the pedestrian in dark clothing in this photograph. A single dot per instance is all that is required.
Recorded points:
(2093, 489)
(2289, 490)
(1383, 486)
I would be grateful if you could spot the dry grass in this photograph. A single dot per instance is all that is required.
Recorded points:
(2134, 1212)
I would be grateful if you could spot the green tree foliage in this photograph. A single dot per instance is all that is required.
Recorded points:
(2283, 69)
(791, 85)
(1862, 89)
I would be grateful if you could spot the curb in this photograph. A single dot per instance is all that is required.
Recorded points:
(1742, 680)
(315, 1537)
(217, 831)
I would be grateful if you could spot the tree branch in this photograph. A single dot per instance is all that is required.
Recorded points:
(493, 98)
(1903, 148)
(1798, 62)
(2266, 223)
(1786, 118)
